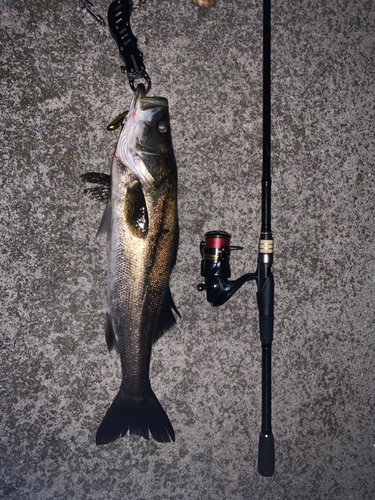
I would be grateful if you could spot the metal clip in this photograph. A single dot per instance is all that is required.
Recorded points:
(91, 9)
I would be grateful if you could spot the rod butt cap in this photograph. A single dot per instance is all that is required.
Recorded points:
(266, 455)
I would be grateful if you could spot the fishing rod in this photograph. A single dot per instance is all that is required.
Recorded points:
(215, 268)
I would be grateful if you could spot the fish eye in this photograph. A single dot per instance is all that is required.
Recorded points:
(162, 126)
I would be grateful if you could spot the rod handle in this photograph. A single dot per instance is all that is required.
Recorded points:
(265, 298)
(266, 455)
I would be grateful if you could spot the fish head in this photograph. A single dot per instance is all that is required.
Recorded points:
(145, 142)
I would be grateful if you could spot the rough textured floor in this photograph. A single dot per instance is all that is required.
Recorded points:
(61, 85)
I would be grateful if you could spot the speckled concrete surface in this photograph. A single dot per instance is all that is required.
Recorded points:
(61, 85)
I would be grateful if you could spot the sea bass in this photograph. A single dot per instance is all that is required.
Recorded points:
(142, 238)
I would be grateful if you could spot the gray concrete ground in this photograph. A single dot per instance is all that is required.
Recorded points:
(61, 85)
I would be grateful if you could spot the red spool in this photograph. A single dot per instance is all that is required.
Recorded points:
(216, 240)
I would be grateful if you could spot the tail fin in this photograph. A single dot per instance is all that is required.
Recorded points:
(139, 416)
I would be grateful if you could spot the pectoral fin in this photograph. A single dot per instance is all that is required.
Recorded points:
(135, 210)
(100, 193)
(96, 178)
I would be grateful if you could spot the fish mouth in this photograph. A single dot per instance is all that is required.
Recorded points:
(130, 150)
(140, 93)
(147, 102)
(127, 148)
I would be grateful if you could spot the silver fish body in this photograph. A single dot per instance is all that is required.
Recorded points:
(142, 238)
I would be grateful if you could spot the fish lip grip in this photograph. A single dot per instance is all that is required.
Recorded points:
(119, 13)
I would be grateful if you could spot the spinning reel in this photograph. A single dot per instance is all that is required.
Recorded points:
(215, 268)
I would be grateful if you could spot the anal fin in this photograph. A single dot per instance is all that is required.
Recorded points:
(167, 318)
(110, 336)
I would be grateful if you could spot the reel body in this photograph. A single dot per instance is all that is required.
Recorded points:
(215, 268)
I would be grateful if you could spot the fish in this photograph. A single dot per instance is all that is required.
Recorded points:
(141, 224)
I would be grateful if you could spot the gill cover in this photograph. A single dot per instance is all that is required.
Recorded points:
(145, 143)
